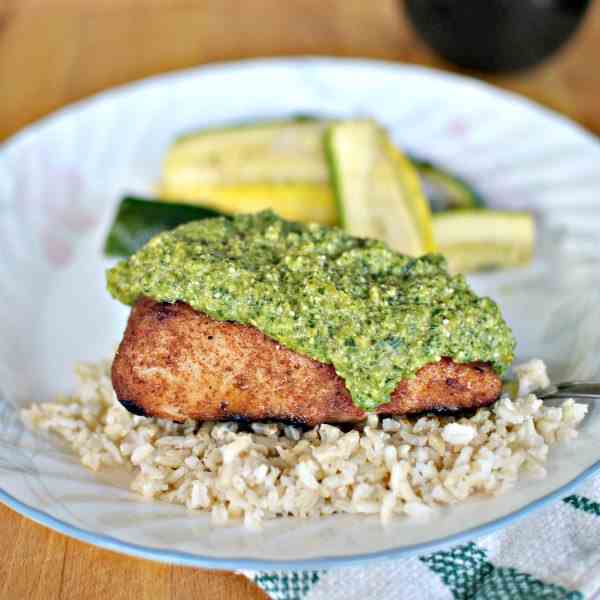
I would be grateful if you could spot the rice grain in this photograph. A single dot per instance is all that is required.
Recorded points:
(391, 467)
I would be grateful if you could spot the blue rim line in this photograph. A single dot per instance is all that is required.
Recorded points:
(187, 559)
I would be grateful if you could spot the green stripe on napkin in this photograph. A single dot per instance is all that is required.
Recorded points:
(293, 585)
(584, 504)
(470, 576)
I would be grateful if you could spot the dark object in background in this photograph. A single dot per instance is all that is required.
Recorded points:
(496, 35)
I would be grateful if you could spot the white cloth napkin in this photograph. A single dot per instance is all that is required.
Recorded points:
(554, 554)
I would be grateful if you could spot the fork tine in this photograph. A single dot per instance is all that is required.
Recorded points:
(576, 382)
(586, 388)
(565, 394)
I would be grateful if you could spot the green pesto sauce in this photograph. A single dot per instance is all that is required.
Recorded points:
(376, 315)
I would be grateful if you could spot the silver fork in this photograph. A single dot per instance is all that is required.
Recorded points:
(570, 389)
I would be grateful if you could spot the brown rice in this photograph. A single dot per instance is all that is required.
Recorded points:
(390, 466)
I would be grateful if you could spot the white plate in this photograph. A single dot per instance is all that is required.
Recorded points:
(60, 180)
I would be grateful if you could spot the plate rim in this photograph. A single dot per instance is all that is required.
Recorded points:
(188, 559)
(181, 558)
(290, 61)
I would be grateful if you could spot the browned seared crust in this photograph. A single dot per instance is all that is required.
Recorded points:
(176, 363)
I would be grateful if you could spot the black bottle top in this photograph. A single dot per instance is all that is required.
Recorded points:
(495, 35)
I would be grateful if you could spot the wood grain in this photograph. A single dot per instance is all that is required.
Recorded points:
(53, 52)
(39, 564)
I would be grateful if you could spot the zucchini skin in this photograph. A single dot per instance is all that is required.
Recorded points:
(459, 193)
(138, 220)
(334, 180)
(411, 181)
(249, 124)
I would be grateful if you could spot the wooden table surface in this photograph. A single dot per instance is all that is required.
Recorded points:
(53, 52)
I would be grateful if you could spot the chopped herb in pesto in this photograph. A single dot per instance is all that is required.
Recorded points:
(376, 315)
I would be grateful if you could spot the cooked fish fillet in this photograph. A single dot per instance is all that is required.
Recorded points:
(177, 363)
